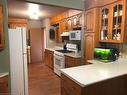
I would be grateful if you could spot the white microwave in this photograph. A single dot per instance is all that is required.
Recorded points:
(75, 35)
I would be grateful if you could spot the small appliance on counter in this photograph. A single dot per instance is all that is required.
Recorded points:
(106, 54)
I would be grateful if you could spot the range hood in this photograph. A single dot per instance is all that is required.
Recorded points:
(65, 34)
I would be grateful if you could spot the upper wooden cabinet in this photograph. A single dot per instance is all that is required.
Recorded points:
(67, 21)
(77, 21)
(91, 37)
(89, 20)
(69, 24)
(113, 23)
(92, 20)
(16, 22)
(2, 38)
(89, 4)
(65, 15)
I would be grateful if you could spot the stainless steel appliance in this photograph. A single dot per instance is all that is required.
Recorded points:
(75, 35)
(59, 58)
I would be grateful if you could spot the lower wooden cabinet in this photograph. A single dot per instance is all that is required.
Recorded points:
(71, 61)
(68, 87)
(113, 86)
(49, 58)
(4, 85)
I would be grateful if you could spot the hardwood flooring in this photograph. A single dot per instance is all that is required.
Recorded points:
(42, 80)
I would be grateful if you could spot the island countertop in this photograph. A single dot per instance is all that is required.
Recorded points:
(90, 74)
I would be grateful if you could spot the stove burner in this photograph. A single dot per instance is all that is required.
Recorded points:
(64, 51)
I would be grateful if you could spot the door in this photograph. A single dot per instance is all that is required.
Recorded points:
(37, 45)
(89, 20)
(89, 46)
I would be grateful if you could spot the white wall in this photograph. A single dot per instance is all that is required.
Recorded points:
(46, 25)
(35, 24)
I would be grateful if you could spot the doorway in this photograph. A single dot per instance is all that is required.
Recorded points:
(37, 45)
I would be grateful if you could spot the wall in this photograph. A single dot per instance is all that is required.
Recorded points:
(76, 4)
(34, 24)
(124, 50)
(49, 43)
(4, 55)
(46, 25)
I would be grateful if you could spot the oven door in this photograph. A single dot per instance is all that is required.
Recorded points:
(59, 61)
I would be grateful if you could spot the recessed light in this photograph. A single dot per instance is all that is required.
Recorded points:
(34, 11)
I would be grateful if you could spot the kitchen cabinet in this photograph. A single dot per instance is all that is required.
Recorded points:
(67, 21)
(62, 28)
(113, 23)
(69, 87)
(53, 20)
(73, 83)
(89, 46)
(90, 4)
(71, 61)
(59, 17)
(77, 21)
(73, 12)
(69, 24)
(49, 58)
(4, 84)
(2, 38)
(105, 23)
(91, 37)
(16, 22)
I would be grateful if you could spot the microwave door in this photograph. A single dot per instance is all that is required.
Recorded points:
(72, 36)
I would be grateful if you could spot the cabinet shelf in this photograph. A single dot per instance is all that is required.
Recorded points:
(115, 24)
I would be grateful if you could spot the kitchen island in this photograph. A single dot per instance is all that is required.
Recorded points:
(95, 79)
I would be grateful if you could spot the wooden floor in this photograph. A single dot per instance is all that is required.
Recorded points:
(42, 80)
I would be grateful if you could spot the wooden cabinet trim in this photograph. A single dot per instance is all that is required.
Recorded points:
(2, 35)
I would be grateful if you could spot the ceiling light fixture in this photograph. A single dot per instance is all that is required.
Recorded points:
(34, 11)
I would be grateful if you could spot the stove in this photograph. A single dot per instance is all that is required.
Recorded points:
(64, 51)
(59, 58)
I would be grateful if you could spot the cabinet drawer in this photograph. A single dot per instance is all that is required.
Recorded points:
(70, 87)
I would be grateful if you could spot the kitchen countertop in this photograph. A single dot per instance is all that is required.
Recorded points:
(93, 73)
(4, 74)
(120, 60)
(73, 55)
(53, 48)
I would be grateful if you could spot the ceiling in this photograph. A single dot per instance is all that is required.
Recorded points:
(20, 9)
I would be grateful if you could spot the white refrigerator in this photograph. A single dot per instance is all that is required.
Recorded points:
(18, 61)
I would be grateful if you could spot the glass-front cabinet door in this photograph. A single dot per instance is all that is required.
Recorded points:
(104, 35)
(1, 29)
(113, 20)
(117, 18)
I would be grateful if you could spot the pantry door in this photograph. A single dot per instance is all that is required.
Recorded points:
(37, 45)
